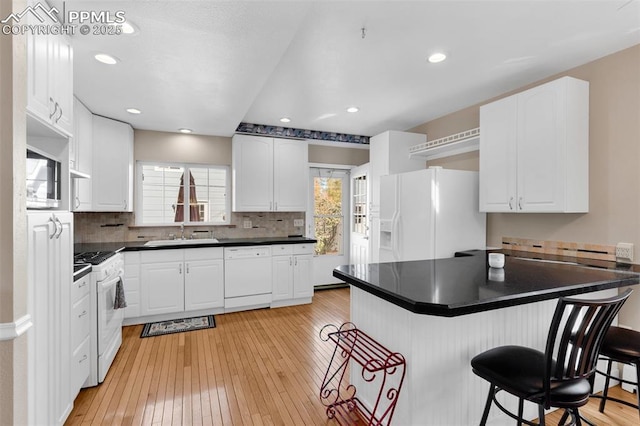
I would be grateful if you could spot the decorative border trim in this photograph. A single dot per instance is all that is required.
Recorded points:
(293, 133)
(12, 330)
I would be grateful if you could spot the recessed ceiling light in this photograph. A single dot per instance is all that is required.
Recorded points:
(353, 109)
(183, 130)
(285, 120)
(133, 111)
(437, 57)
(128, 28)
(106, 59)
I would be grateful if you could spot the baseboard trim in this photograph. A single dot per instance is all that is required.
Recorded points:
(13, 330)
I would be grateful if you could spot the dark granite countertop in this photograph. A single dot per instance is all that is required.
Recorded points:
(222, 242)
(465, 284)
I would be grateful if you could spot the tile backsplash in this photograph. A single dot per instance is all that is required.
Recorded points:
(108, 227)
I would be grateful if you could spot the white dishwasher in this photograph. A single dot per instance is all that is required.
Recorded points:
(247, 277)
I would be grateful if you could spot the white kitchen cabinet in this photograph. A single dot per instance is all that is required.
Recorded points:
(269, 174)
(112, 165)
(50, 78)
(290, 175)
(204, 278)
(292, 267)
(49, 277)
(179, 280)
(161, 282)
(80, 333)
(81, 156)
(534, 150)
(389, 154)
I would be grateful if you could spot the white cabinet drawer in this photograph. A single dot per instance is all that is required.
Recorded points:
(281, 249)
(80, 288)
(306, 248)
(80, 365)
(80, 321)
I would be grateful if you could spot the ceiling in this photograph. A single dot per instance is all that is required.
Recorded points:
(208, 65)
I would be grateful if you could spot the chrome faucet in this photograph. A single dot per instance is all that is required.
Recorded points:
(182, 231)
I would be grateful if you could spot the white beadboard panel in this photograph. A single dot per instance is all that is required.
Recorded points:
(440, 387)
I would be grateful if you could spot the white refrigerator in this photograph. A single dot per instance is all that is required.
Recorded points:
(429, 214)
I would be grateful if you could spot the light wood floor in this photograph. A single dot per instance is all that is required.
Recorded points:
(258, 367)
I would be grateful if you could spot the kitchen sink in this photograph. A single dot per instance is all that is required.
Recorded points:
(179, 242)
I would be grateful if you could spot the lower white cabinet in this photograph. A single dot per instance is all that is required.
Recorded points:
(80, 333)
(292, 273)
(200, 269)
(49, 277)
(180, 280)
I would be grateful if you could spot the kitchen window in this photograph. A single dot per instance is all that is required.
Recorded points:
(170, 193)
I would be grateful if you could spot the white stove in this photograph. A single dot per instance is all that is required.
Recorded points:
(106, 336)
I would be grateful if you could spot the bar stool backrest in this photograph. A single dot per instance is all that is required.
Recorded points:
(575, 336)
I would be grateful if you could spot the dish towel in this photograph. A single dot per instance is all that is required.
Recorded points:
(119, 302)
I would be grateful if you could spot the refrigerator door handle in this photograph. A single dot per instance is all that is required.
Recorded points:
(395, 234)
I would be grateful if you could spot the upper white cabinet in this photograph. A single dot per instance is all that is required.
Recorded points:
(50, 79)
(269, 174)
(389, 154)
(534, 150)
(112, 173)
(81, 156)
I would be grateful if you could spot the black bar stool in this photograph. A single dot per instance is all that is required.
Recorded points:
(620, 345)
(559, 377)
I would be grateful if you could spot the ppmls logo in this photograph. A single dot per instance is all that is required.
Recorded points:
(39, 11)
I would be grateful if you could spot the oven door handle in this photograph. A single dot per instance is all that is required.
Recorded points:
(113, 280)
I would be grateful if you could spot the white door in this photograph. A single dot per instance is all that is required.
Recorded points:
(329, 208)
(302, 286)
(360, 221)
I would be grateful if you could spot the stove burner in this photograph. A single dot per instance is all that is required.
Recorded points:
(93, 257)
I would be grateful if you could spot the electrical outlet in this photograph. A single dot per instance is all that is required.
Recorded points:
(246, 224)
(298, 222)
(624, 252)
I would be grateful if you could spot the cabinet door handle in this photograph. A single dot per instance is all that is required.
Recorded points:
(77, 202)
(59, 116)
(296, 261)
(511, 203)
(82, 314)
(55, 108)
(55, 231)
(187, 268)
(61, 228)
(290, 262)
(82, 284)
(125, 204)
(84, 358)
(180, 269)
(270, 205)
(520, 203)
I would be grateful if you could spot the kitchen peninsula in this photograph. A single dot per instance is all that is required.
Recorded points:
(440, 313)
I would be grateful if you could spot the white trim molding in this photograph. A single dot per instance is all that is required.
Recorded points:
(12, 330)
